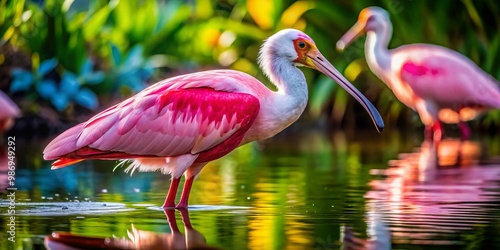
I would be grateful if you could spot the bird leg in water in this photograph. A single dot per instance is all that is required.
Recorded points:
(438, 131)
(183, 203)
(172, 192)
(464, 130)
(434, 132)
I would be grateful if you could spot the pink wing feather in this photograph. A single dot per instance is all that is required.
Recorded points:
(192, 113)
(450, 79)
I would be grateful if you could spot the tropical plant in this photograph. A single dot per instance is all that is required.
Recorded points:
(130, 40)
(131, 70)
(69, 89)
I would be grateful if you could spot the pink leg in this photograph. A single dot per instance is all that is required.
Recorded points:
(183, 203)
(172, 192)
(464, 131)
(437, 132)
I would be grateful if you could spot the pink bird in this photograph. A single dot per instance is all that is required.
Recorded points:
(180, 124)
(439, 83)
(8, 111)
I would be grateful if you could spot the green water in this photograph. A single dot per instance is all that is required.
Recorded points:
(310, 190)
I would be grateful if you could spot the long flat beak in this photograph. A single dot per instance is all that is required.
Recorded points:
(354, 32)
(325, 67)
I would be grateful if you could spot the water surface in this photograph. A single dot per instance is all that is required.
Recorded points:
(313, 190)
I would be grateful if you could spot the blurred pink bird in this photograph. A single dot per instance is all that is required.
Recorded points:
(8, 111)
(439, 83)
(180, 124)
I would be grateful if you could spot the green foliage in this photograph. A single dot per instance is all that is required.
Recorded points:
(131, 70)
(131, 40)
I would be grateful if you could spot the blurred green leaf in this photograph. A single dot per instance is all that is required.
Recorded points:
(94, 24)
(116, 55)
(322, 90)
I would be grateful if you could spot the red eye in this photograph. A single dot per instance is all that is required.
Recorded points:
(300, 44)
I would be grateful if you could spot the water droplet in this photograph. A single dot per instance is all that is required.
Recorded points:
(333, 206)
(313, 204)
(248, 198)
(137, 190)
(242, 186)
(56, 195)
(104, 190)
(43, 197)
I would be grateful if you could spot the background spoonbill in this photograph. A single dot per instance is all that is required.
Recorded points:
(439, 83)
(179, 124)
(8, 111)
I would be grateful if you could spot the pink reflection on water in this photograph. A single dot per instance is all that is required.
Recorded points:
(431, 194)
(137, 239)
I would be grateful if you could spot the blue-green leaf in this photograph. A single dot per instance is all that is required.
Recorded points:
(69, 84)
(22, 80)
(116, 56)
(60, 101)
(47, 66)
(46, 88)
(86, 67)
(86, 98)
(94, 78)
(134, 57)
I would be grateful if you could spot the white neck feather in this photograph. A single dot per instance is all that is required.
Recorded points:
(287, 104)
(377, 54)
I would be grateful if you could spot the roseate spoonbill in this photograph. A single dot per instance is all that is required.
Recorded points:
(439, 83)
(179, 124)
(8, 111)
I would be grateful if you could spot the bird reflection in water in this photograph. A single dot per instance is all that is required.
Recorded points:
(137, 239)
(428, 196)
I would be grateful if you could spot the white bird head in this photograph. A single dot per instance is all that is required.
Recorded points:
(289, 48)
(372, 18)
(290, 44)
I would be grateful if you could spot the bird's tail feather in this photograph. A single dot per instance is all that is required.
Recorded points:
(63, 144)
